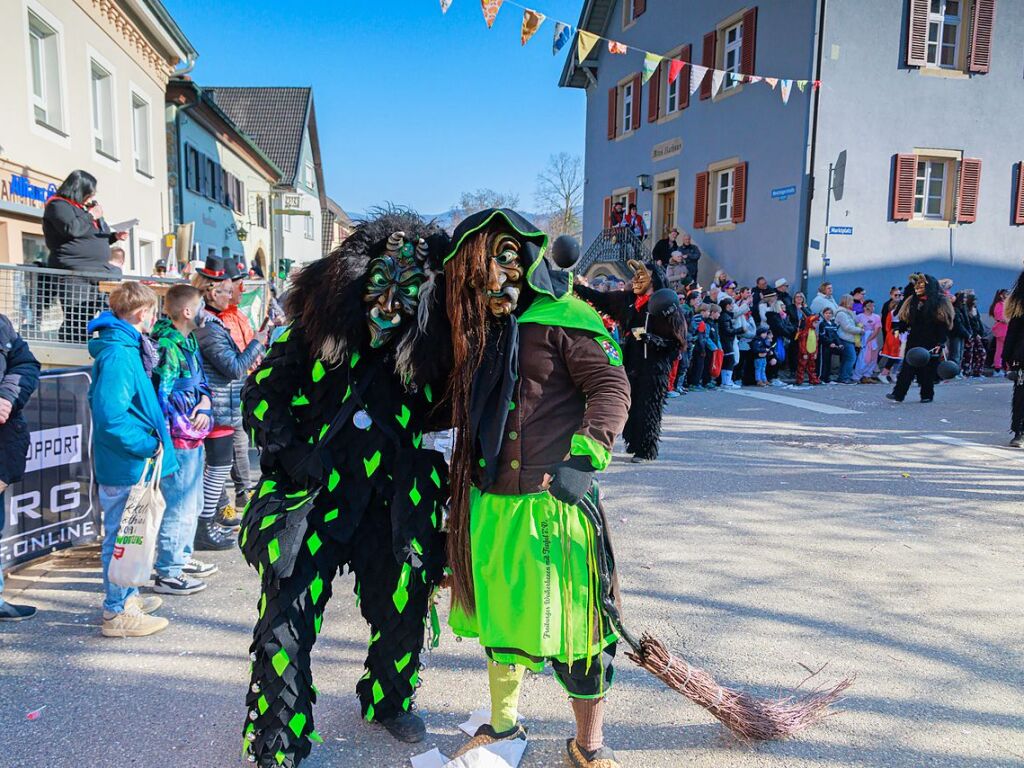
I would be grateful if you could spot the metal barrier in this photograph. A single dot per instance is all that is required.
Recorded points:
(613, 245)
(56, 305)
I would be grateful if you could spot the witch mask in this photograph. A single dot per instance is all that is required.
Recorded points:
(393, 287)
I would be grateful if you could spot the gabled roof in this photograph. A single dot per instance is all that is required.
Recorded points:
(276, 119)
(593, 18)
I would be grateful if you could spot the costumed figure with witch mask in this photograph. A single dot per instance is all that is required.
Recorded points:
(538, 394)
(927, 317)
(651, 343)
(342, 407)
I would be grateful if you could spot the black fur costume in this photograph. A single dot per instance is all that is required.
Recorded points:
(371, 499)
(648, 362)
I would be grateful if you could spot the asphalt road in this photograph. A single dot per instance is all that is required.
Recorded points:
(885, 541)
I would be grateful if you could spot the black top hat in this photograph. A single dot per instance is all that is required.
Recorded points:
(234, 270)
(216, 268)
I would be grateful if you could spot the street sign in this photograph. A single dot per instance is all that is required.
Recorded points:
(826, 261)
(840, 230)
(290, 212)
(783, 193)
(816, 244)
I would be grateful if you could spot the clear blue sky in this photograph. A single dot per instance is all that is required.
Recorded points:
(412, 107)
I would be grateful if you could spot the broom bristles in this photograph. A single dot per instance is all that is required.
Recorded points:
(749, 718)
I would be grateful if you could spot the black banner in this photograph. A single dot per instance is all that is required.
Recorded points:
(55, 505)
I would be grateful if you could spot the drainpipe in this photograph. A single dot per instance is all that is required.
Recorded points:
(819, 38)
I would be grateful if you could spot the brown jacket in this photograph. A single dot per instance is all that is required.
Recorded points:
(566, 386)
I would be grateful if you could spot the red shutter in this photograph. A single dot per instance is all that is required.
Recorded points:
(739, 192)
(917, 33)
(981, 35)
(638, 92)
(903, 187)
(613, 111)
(749, 49)
(1018, 208)
(684, 78)
(700, 201)
(630, 199)
(639, 6)
(654, 95)
(967, 197)
(708, 60)
(607, 213)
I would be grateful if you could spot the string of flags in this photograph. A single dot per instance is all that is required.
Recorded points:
(586, 42)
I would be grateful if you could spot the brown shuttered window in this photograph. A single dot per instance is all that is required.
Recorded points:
(708, 60)
(967, 196)
(607, 213)
(630, 199)
(917, 33)
(700, 201)
(639, 6)
(1018, 203)
(637, 100)
(739, 193)
(904, 179)
(654, 94)
(747, 54)
(613, 111)
(981, 35)
(684, 77)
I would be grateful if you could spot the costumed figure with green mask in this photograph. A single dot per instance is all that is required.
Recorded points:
(342, 407)
(538, 394)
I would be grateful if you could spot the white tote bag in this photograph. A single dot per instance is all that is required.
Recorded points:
(135, 546)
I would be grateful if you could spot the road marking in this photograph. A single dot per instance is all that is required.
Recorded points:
(1002, 453)
(807, 405)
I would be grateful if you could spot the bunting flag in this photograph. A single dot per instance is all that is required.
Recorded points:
(772, 81)
(490, 9)
(445, 5)
(585, 45)
(817, 84)
(531, 23)
(651, 63)
(754, 79)
(717, 76)
(674, 68)
(563, 33)
(617, 48)
(697, 74)
(802, 85)
(785, 86)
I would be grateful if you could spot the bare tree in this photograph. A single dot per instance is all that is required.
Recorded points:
(560, 194)
(480, 200)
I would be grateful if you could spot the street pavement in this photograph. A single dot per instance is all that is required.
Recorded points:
(877, 540)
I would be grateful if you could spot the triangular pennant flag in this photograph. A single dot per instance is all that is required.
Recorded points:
(651, 62)
(697, 74)
(816, 84)
(585, 44)
(491, 8)
(802, 85)
(674, 68)
(772, 81)
(785, 86)
(717, 76)
(531, 23)
(563, 33)
(445, 5)
(754, 79)
(617, 48)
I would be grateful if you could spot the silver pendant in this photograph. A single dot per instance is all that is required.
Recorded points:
(362, 420)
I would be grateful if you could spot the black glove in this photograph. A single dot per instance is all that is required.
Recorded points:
(572, 479)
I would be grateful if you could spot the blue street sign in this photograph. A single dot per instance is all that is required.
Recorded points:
(840, 230)
(826, 261)
(783, 193)
(816, 244)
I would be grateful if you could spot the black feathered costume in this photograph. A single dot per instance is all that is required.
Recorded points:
(647, 360)
(340, 408)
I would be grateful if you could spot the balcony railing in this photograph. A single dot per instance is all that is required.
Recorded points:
(613, 245)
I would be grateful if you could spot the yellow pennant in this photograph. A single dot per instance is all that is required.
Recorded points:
(531, 23)
(585, 45)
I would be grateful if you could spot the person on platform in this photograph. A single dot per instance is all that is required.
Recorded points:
(663, 249)
(19, 378)
(927, 316)
(691, 255)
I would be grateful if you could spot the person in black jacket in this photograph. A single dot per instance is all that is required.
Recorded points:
(961, 330)
(728, 330)
(1013, 356)
(79, 240)
(19, 377)
(927, 316)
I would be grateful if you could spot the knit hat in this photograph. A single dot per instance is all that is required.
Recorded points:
(781, 282)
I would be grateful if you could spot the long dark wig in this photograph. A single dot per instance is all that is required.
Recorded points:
(1001, 295)
(1014, 306)
(935, 305)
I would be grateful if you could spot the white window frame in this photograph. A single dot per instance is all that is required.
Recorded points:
(725, 181)
(628, 105)
(924, 180)
(139, 100)
(55, 126)
(628, 13)
(940, 21)
(310, 175)
(310, 229)
(672, 92)
(106, 154)
(286, 224)
(734, 49)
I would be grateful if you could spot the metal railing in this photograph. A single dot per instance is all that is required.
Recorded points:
(56, 305)
(614, 245)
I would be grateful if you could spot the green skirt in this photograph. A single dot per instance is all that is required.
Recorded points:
(536, 581)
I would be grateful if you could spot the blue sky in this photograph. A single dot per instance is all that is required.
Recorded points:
(412, 107)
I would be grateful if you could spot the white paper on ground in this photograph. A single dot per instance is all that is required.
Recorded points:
(504, 754)
(476, 719)
(431, 759)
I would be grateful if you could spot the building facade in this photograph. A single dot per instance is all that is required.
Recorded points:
(86, 91)
(338, 225)
(927, 131)
(220, 183)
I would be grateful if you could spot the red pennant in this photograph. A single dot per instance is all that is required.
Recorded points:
(674, 68)
(816, 85)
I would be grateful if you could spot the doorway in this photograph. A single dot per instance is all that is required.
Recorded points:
(664, 204)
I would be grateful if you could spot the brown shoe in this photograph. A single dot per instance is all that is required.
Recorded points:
(131, 622)
(229, 518)
(577, 758)
(486, 735)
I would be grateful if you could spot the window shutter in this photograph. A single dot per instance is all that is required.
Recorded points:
(739, 192)
(630, 199)
(639, 6)
(917, 33)
(654, 94)
(708, 60)
(613, 111)
(700, 201)
(188, 167)
(684, 77)
(1018, 208)
(607, 213)
(903, 187)
(981, 35)
(638, 91)
(970, 185)
(749, 50)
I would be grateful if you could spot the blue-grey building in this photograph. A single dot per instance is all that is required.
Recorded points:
(922, 98)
